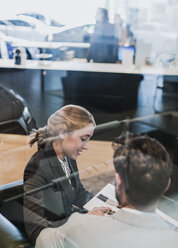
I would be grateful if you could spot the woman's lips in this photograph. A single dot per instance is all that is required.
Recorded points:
(79, 152)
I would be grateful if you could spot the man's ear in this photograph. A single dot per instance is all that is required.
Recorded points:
(118, 179)
(168, 185)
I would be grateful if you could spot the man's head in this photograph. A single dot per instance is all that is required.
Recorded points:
(101, 15)
(143, 169)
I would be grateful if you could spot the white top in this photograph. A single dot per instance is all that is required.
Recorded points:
(127, 228)
(65, 167)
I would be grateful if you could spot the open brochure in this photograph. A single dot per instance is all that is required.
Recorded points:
(106, 198)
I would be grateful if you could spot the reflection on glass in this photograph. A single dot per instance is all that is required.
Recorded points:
(143, 91)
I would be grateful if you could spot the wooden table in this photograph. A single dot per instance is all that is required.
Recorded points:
(15, 153)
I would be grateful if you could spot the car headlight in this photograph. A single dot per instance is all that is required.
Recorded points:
(26, 115)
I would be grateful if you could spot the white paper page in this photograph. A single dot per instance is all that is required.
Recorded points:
(109, 192)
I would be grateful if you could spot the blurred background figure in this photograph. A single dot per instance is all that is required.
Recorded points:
(104, 41)
(121, 28)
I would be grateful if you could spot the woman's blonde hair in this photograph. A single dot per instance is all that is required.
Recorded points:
(69, 118)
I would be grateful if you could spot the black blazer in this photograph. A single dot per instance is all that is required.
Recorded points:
(50, 207)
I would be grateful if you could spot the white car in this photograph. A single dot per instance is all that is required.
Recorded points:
(9, 44)
(18, 28)
(43, 18)
(39, 26)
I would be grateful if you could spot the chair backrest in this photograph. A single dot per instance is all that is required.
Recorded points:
(13, 209)
(10, 235)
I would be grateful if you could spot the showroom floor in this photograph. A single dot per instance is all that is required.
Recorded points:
(27, 83)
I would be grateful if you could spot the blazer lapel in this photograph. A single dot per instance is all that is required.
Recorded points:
(59, 173)
(74, 173)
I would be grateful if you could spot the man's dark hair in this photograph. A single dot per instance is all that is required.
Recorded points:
(145, 167)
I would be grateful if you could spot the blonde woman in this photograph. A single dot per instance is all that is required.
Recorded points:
(60, 142)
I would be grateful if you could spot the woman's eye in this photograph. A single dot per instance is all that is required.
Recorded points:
(83, 139)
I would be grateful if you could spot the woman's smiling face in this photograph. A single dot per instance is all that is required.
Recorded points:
(76, 142)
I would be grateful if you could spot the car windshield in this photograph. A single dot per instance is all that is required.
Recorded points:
(2, 23)
(19, 23)
(56, 23)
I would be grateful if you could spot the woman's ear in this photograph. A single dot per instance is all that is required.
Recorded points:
(62, 133)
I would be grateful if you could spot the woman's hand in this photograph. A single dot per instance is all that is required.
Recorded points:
(99, 211)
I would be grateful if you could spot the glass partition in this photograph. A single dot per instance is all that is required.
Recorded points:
(116, 58)
(148, 30)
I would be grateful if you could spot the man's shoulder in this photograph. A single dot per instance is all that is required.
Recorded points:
(89, 220)
(78, 217)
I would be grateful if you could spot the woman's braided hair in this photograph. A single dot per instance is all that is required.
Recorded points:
(70, 118)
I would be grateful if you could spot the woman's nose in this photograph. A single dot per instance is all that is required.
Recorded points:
(85, 146)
